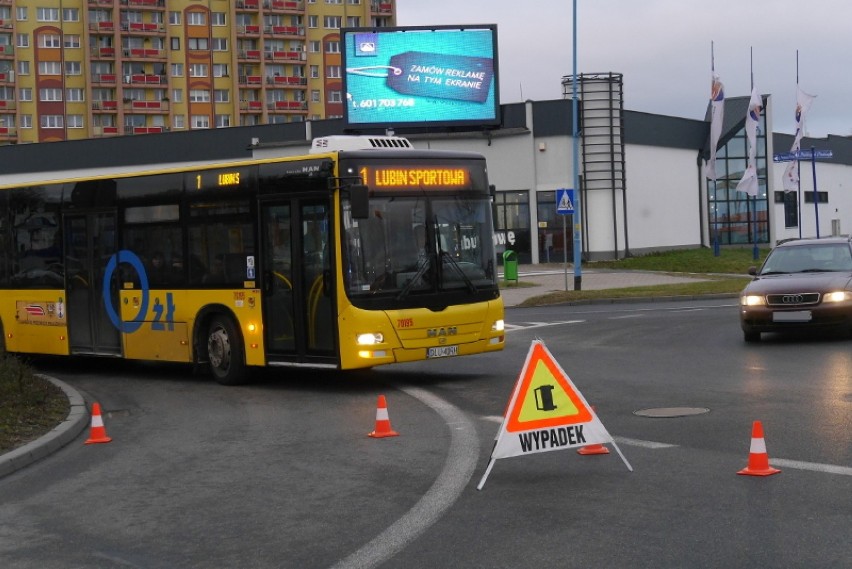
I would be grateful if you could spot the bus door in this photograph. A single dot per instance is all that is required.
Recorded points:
(90, 242)
(297, 285)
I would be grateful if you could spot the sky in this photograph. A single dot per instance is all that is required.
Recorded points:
(666, 49)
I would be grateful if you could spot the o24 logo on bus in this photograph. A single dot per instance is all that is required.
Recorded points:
(160, 319)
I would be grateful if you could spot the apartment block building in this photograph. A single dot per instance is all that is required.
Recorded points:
(77, 69)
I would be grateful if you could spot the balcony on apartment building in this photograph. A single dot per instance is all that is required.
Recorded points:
(7, 51)
(250, 81)
(106, 27)
(286, 81)
(137, 106)
(7, 77)
(7, 105)
(381, 7)
(161, 4)
(285, 56)
(251, 106)
(284, 31)
(144, 53)
(142, 79)
(8, 133)
(283, 6)
(249, 54)
(102, 52)
(144, 28)
(105, 106)
(287, 105)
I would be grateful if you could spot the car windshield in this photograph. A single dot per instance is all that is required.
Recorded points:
(411, 245)
(808, 258)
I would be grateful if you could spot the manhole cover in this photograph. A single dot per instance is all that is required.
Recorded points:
(667, 412)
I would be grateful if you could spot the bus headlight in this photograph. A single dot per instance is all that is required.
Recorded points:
(498, 326)
(752, 300)
(370, 339)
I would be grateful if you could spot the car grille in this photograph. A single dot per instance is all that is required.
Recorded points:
(795, 299)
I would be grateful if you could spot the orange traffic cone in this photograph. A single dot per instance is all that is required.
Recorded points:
(383, 426)
(758, 459)
(593, 449)
(98, 432)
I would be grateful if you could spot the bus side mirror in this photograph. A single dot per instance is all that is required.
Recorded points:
(359, 201)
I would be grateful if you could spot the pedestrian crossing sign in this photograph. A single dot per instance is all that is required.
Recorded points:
(565, 201)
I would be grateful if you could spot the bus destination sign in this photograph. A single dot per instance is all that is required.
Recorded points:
(397, 177)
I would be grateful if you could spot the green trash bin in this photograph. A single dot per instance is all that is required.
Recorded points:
(510, 266)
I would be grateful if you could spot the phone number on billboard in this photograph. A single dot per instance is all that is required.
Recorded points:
(383, 103)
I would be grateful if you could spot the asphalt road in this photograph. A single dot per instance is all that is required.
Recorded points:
(281, 473)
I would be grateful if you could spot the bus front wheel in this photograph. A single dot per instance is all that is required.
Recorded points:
(224, 352)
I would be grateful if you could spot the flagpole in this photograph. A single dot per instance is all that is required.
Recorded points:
(798, 162)
(755, 252)
(575, 135)
(716, 247)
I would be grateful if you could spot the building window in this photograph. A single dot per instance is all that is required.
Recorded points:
(24, 68)
(223, 121)
(175, 44)
(174, 18)
(199, 96)
(21, 13)
(198, 70)
(353, 21)
(197, 44)
(26, 121)
(314, 47)
(332, 71)
(75, 95)
(50, 94)
(70, 14)
(512, 225)
(47, 15)
(313, 21)
(50, 68)
(220, 70)
(177, 95)
(25, 94)
(71, 41)
(49, 41)
(75, 121)
(73, 68)
(822, 197)
(179, 122)
(332, 22)
(222, 95)
(315, 73)
(199, 121)
(23, 40)
(220, 44)
(332, 47)
(52, 121)
(315, 96)
(217, 18)
(196, 19)
(335, 97)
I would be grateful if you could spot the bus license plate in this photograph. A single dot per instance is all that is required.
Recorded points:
(442, 351)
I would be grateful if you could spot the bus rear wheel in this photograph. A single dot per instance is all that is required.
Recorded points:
(224, 352)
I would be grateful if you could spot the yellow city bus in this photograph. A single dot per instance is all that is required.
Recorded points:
(340, 259)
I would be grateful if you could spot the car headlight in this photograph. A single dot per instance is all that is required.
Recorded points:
(752, 300)
(498, 326)
(837, 296)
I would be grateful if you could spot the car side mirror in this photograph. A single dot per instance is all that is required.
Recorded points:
(752, 271)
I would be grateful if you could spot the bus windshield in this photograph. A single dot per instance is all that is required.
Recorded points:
(414, 245)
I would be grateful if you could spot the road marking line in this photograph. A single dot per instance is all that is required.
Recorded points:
(531, 325)
(447, 488)
(814, 466)
(641, 443)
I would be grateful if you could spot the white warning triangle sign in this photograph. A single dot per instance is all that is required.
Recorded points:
(546, 412)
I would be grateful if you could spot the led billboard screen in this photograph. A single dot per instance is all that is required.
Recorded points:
(420, 77)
